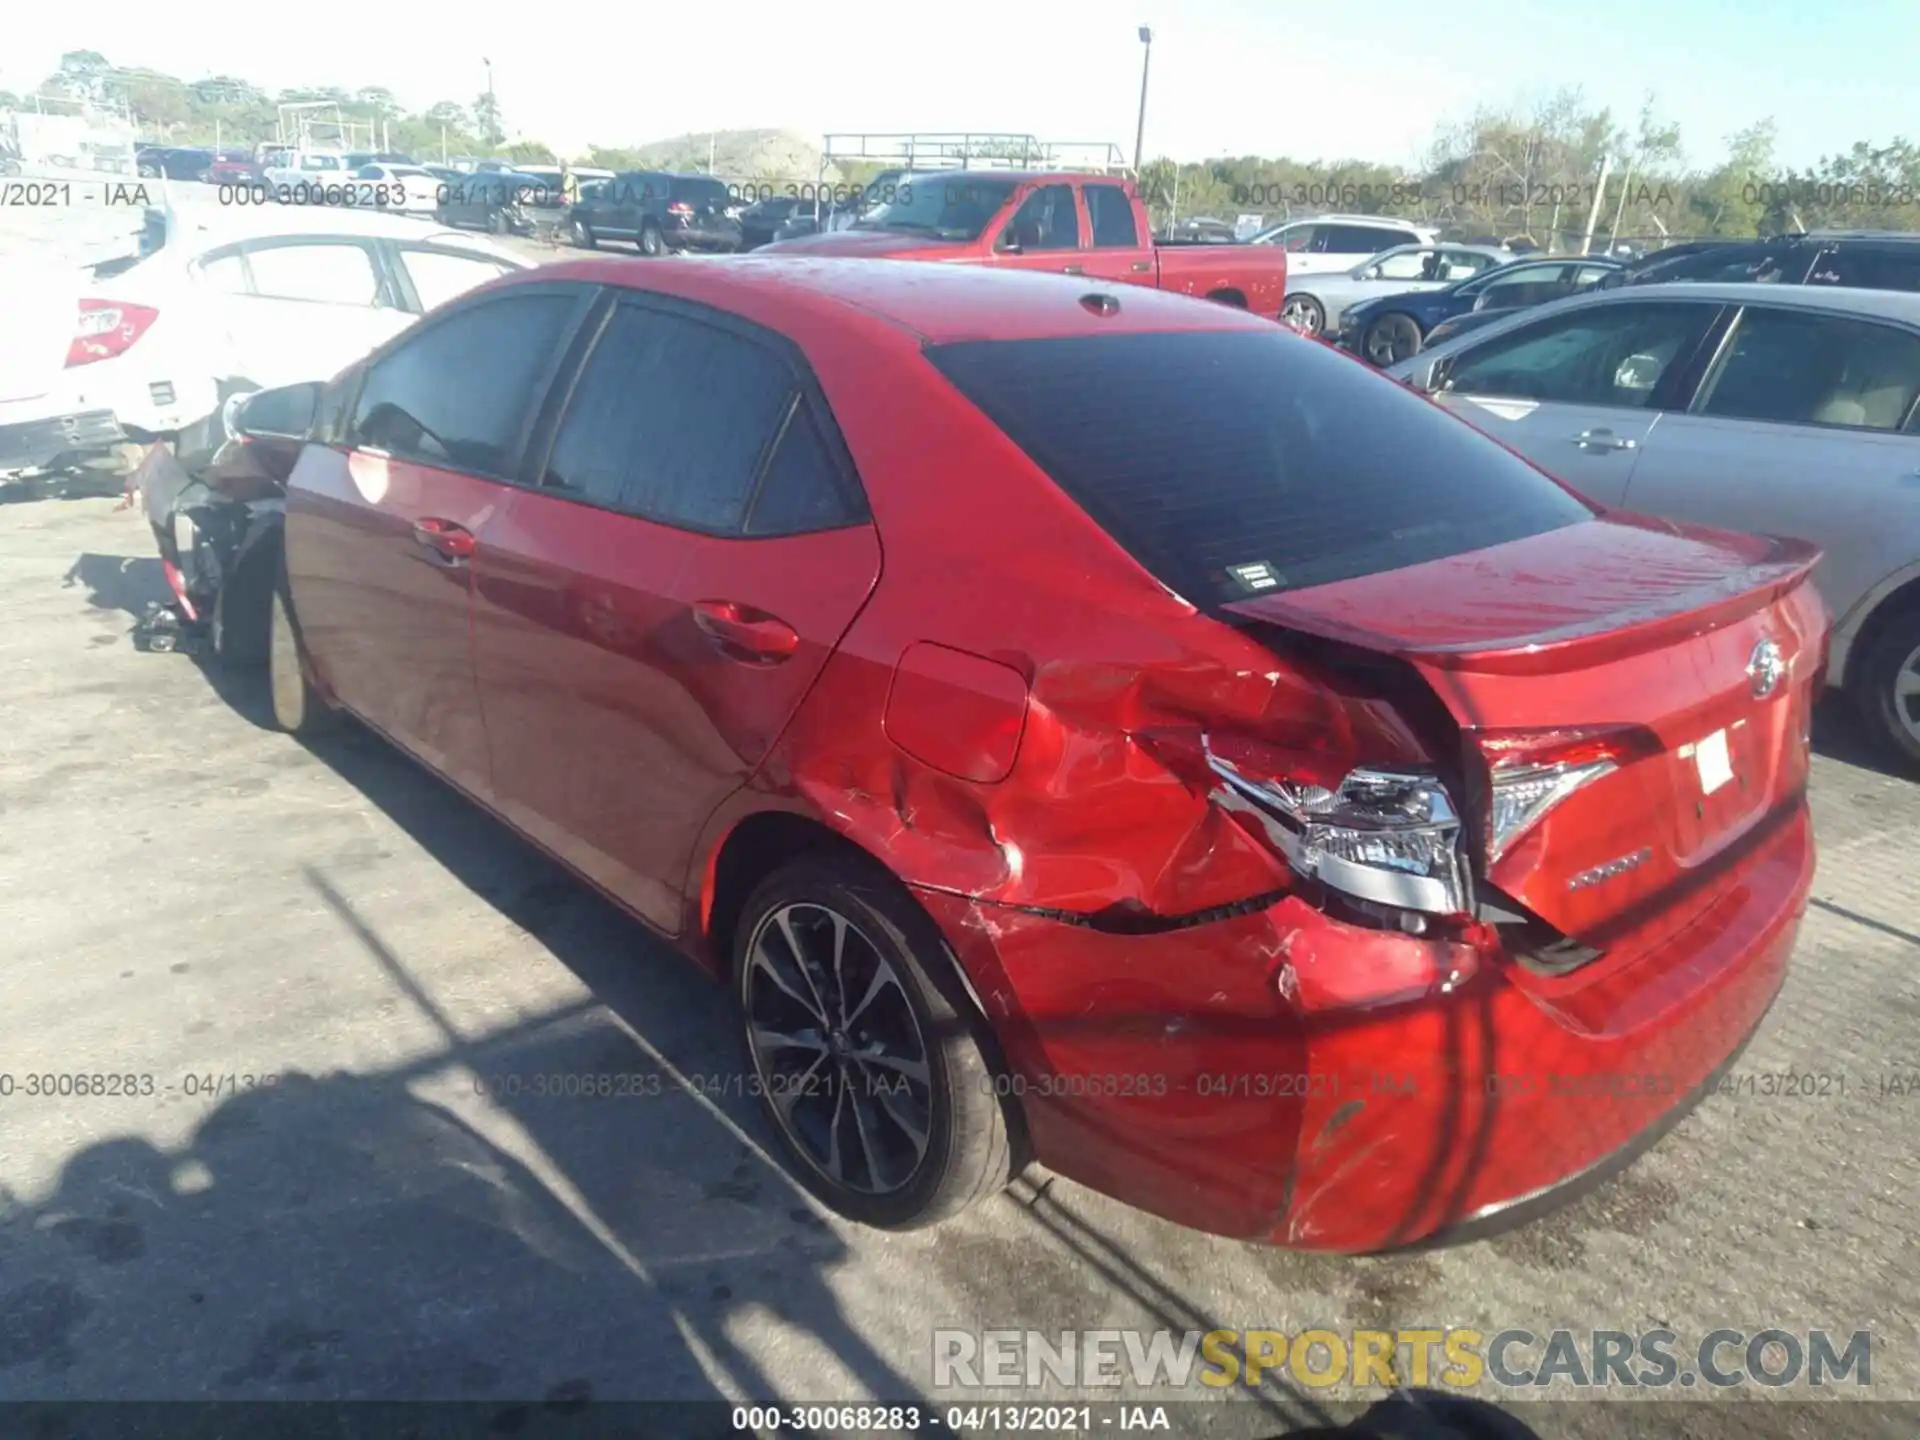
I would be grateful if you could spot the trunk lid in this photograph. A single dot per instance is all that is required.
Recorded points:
(1673, 668)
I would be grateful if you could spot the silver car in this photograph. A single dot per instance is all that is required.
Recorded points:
(1315, 303)
(1775, 409)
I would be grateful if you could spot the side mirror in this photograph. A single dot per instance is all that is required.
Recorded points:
(284, 413)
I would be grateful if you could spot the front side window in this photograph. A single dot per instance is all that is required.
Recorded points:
(1408, 265)
(669, 420)
(1046, 220)
(1869, 269)
(1610, 355)
(1798, 368)
(455, 393)
(337, 273)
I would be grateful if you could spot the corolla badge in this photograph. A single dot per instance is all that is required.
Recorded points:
(1766, 668)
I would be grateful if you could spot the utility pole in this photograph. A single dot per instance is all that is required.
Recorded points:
(1140, 129)
(493, 109)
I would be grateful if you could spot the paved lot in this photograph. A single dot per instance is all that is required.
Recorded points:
(193, 897)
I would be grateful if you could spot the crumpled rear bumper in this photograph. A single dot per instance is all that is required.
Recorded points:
(1219, 1076)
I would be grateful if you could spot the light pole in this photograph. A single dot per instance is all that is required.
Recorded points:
(493, 112)
(1140, 130)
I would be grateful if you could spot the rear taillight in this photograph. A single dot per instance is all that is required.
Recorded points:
(1530, 772)
(1388, 839)
(680, 207)
(107, 328)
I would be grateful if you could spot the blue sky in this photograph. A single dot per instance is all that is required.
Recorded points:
(1229, 76)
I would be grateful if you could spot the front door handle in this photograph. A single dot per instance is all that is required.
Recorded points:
(1140, 267)
(452, 544)
(1074, 269)
(743, 633)
(1603, 439)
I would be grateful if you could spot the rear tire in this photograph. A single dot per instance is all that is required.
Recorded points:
(862, 1045)
(1888, 688)
(651, 242)
(298, 708)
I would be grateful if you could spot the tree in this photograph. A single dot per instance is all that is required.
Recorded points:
(530, 152)
(1738, 197)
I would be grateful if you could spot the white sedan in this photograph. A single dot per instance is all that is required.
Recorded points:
(400, 189)
(224, 299)
(1315, 303)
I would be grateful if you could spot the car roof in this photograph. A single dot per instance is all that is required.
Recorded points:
(222, 223)
(936, 302)
(1877, 304)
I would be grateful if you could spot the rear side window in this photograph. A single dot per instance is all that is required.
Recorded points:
(1363, 239)
(1804, 369)
(670, 420)
(803, 490)
(1866, 268)
(455, 393)
(1112, 215)
(1237, 463)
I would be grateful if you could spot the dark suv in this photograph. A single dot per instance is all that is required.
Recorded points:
(657, 212)
(1864, 260)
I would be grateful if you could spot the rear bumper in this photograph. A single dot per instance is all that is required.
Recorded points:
(1229, 1077)
(36, 444)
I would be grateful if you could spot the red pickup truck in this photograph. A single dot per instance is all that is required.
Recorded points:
(1092, 225)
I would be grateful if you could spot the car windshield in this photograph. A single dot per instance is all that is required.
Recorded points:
(1212, 455)
(958, 207)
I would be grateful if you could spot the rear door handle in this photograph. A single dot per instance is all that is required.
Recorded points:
(452, 544)
(1601, 438)
(1074, 269)
(743, 633)
(1140, 267)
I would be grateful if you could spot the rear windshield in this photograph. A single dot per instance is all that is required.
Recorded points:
(1247, 462)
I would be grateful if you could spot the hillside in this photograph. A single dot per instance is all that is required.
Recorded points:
(737, 155)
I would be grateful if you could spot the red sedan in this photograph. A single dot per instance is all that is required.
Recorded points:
(1081, 724)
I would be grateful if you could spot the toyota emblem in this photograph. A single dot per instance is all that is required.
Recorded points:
(1766, 668)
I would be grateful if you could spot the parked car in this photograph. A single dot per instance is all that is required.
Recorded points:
(1200, 229)
(358, 159)
(1388, 330)
(1316, 303)
(1788, 410)
(657, 212)
(761, 221)
(1866, 260)
(174, 163)
(305, 175)
(504, 202)
(233, 167)
(1047, 221)
(1323, 244)
(228, 298)
(1377, 742)
(404, 189)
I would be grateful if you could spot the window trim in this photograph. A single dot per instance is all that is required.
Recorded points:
(582, 294)
(544, 433)
(1677, 385)
(1716, 365)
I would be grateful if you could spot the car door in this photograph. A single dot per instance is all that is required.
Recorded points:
(1043, 233)
(648, 618)
(383, 525)
(1803, 426)
(315, 305)
(1578, 391)
(1118, 251)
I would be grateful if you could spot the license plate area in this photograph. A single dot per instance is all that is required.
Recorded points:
(1720, 788)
